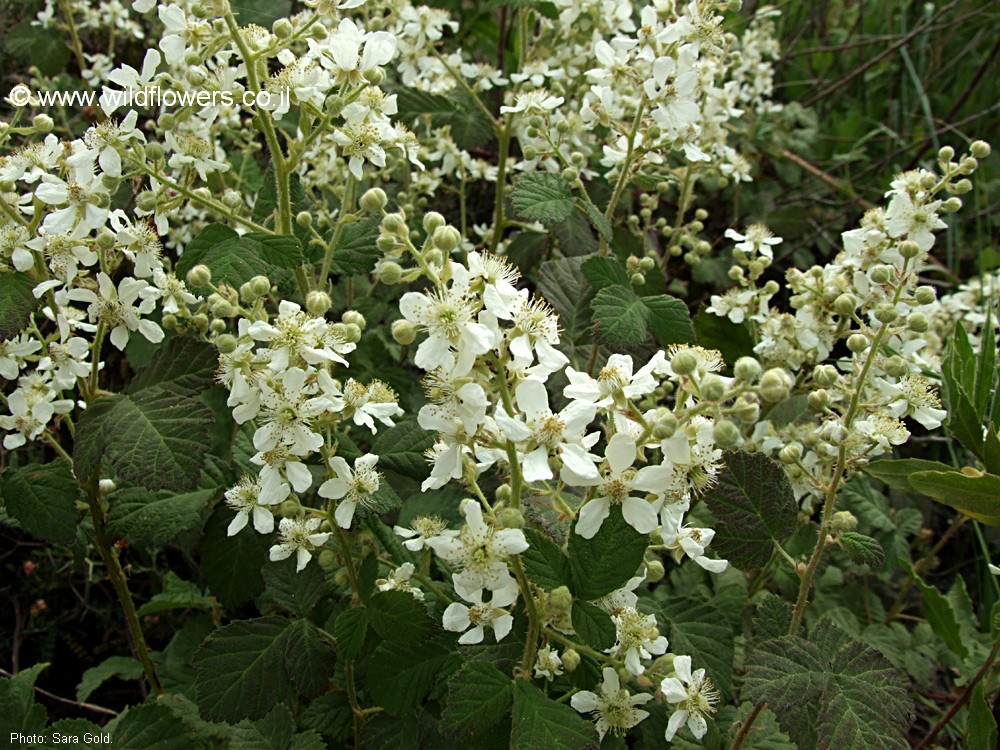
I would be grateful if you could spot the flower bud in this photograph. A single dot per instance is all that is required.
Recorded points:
(530, 153)
(560, 599)
(845, 304)
(953, 204)
(712, 388)
(683, 362)
(857, 342)
(395, 224)
(826, 375)
(647, 264)
(226, 343)
(106, 239)
(353, 317)
(260, 285)
(917, 322)
(167, 121)
(168, 322)
(222, 309)
(146, 201)
(347, 331)
(637, 279)
(880, 274)
(961, 187)
(446, 239)
(775, 385)
(790, 454)
(570, 174)
(318, 302)
(726, 435)
(819, 400)
(105, 487)
(909, 249)
(896, 366)
(570, 660)
(654, 570)
(373, 201)
(844, 520)
(968, 165)
(433, 220)
(746, 369)
(665, 426)
(404, 332)
(282, 28)
(200, 275)
(217, 327)
(746, 411)
(327, 559)
(341, 577)
(924, 295)
(43, 123)
(390, 272)
(980, 149)
(885, 312)
(503, 493)
(200, 322)
(303, 219)
(511, 518)
(946, 154)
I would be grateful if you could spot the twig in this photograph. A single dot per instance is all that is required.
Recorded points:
(79, 704)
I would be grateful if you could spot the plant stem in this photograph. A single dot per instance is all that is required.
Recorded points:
(503, 135)
(625, 174)
(118, 580)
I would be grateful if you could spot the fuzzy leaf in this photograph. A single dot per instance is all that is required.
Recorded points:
(178, 594)
(399, 618)
(184, 363)
(234, 259)
(896, 472)
(399, 677)
(479, 696)
(669, 320)
(620, 317)
(123, 667)
(563, 284)
(401, 448)
(541, 196)
(356, 251)
(544, 562)
(150, 519)
(542, 724)
(603, 272)
(593, 625)
(17, 303)
(600, 565)
(42, 498)
(982, 726)
(149, 726)
(755, 507)
(699, 629)
(977, 496)
(350, 629)
(863, 550)
(732, 340)
(295, 591)
(232, 565)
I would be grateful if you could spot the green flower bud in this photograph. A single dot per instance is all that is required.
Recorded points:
(341, 578)
(353, 317)
(790, 454)
(924, 295)
(226, 343)
(819, 400)
(896, 366)
(503, 493)
(885, 312)
(511, 518)
(327, 559)
(395, 224)
(390, 272)
(347, 331)
(404, 332)
(665, 426)
(373, 200)
(167, 121)
(843, 521)
(433, 257)
(746, 369)
(105, 487)
(917, 322)
(857, 342)
(637, 279)
(43, 123)
(433, 220)
(200, 322)
(146, 201)
(684, 362)
(570, 660)
(826, 375)
(961, 187)
(712, 388)
(154, 151)
(199, 276)
(953, 204)
(560, 599)
(746, 411)
(304, 219)
(168, 322)
(106, 239)
(845, 304)
(775, 385)
(222, 309)
(980, 149)
(374, 76)
(654, 570)
(946, 154)
(909, 249)
(261, 285)
(530, 153)
(968, 165)
(881, 274)
(318, 302)
(647, 264)
(217, 327)
(726, 435)
(446, 239)
(282, 28)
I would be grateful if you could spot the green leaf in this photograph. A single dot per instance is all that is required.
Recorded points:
(976, 496)
(246, 668)
(151, 519)
(603, 272)
(401, 448)
(356, 251)
(541, 196)
(544, 562)
(400, 676)
(732, 340)
(154, 438)
(562, 283)
(42, 498)
(600, 565)
(399, 619)
(296, 592)
(17, 303)
(235, 259)
(542, 724)
(479, 697)
(895, 472)
(178, 594)
(471, 128)
(863, 550)
(597, 220)
(44, 48)
(593, 625)
(981, 730)
(789, 410)
(261, 12)
(184, 363)
(941, 615)
(527, 248)
(149, 726)
(232, 565)
(619, 317)
(669, 320)
(18, 711)
(412, 103)
(862, 700)
(350, 630)
(123, 667)
(700, 629)
(755, 507)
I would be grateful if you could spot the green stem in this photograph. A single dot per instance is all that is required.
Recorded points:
(626, 173)
(118, 580)
(503, 135)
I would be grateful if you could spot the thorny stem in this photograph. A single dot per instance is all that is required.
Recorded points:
(626, 173)
(118, 580)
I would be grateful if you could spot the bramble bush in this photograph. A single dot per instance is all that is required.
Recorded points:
(408, 376)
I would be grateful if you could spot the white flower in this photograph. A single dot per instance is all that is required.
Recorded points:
(693, 694)
(912, 396)
(424, 529)
(366, 403)
(547, 663)
(67, 361)
(479, 550)
(481, 615)
(298, 535)
(27, 420)
(688, 540)
(616, 489)
(915, 221)
(288, 409)
(114, 308)
(758, 240)
(615, 383)
(245, 499)
(399, 580)
(343, 54)
(638, 637)
(12, 354)
(351, 488)
(533, 102)
(273, 487)
(614, 707)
